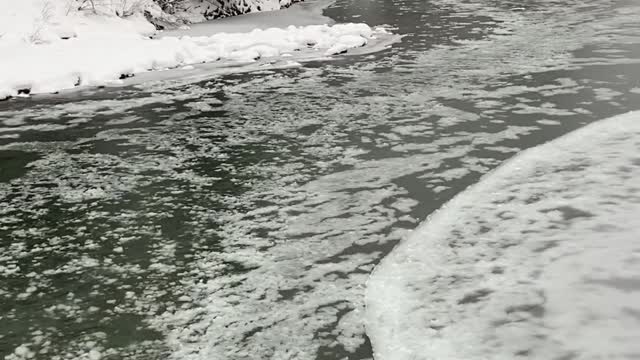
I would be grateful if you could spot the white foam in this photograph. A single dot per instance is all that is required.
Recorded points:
(540, 259)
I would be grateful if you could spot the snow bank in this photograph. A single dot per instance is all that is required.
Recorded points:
(540, 259)
(96, 58)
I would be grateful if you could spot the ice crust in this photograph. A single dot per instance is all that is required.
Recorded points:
(540, 259)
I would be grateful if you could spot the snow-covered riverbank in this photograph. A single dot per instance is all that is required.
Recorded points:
(54, 51)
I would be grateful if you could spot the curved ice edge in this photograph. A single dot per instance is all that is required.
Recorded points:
(421, 304)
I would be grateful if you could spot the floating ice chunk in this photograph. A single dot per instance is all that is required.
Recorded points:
(540, 259)
(77, 195)
(21, 352)
(94, 355)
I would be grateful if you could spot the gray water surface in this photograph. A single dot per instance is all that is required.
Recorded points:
(239, 217)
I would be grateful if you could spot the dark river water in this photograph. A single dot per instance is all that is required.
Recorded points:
(239, 217)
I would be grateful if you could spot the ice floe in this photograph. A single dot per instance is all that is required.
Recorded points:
(540, 259)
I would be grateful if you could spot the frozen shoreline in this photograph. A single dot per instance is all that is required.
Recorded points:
(111, 51)
(539, 259)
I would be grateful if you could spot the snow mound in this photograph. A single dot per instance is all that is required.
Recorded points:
(540, 259)
(95, 58)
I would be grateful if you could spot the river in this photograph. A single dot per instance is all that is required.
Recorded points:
(240, 216)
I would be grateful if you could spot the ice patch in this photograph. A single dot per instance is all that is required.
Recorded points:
(540, 259)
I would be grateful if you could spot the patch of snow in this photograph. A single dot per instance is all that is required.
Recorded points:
(539, 259)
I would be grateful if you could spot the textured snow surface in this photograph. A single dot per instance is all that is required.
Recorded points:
(100, 59)
(540, 259)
